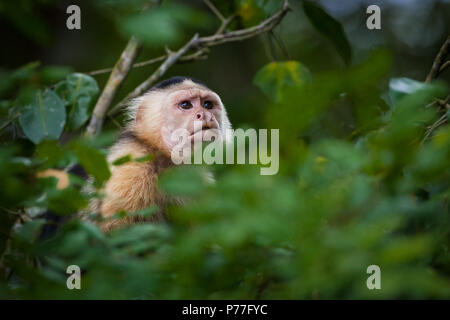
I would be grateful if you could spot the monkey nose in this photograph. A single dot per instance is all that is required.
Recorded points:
(199, 116)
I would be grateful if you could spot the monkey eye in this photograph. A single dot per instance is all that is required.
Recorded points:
(185, 105)
(208, 105)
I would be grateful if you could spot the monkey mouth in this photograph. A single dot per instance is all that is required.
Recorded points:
(205, 127)
(205, 133)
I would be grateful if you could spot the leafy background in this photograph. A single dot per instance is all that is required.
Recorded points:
(364, 154)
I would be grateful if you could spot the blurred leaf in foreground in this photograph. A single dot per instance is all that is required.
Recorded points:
(92, 160)
(276, 76)
(329, 27)
(163, 25)
(400, 87)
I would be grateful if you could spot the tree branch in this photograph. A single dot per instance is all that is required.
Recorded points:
(201, 43)
(442, 120)
(445, 65)
(170, 60)
(243, 34)
(118, 75)
(439, 60)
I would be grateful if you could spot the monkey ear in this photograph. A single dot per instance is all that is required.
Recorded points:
(133, 109)
(139, 114)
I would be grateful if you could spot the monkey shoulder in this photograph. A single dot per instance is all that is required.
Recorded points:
(132, 185)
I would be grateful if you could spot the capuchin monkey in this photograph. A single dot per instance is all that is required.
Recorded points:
(174, 108)
(155, 121)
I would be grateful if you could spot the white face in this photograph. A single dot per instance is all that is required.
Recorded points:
(192, 111)
(185, 109)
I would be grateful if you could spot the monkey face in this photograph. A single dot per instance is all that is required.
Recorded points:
(191, 114)
(178, 115)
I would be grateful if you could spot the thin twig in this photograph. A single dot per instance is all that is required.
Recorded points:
(215, 10)
(439, 60)
(225, 24)
(200, 43)
(199, 55)
(170, 60)
(117, 124)
(281, 44)
(136, 65)
(444, 103)
(7, 123)
(442, 120)
(243, 34)
(118, 75)
(445, 65)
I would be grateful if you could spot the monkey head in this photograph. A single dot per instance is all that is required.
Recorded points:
(179, 110)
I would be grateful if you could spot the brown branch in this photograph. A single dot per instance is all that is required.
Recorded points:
(118, 75)
(243, 34)
(7, 123)
(170, 60)
(225, 24)
(445, 65)
(136, 65)
(201, 43)
(444, 103)
(439, 60)
(442, 120)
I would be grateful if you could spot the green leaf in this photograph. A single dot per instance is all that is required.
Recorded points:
(171, 181)
(146, 212)
(53, 74)
(269, 6)
(25, 71)
(78, 91)
(66, 201)
(9, 79)
(276, 76)
(400, 87)
(146, 158)
(250, 12)
(93, 161)
(29, 231)
(330, 28)
(164, 25)
(50, 152)
(43, 117)
(122, 160)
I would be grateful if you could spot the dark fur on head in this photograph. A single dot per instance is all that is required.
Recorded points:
(174, 81)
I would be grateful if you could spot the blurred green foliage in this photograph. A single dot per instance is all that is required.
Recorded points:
(358, 185)
(329, 27)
